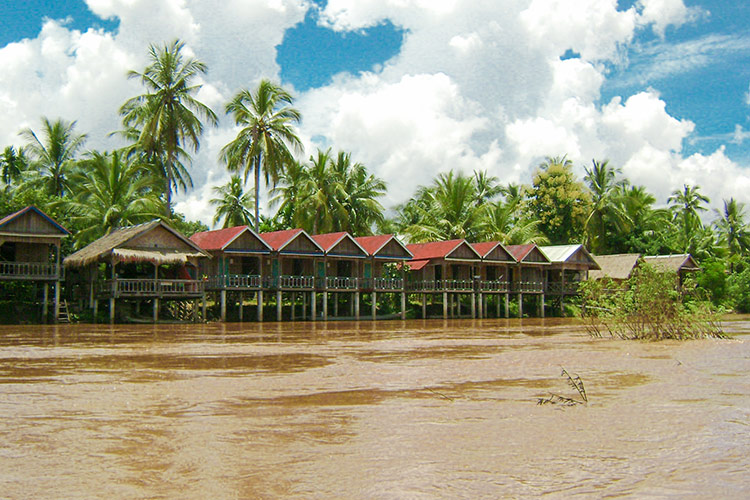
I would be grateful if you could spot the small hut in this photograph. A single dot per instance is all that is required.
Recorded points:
(147, 262)
(681, 264)
(617, 267)
(495, 271)
(529, 274)
(30, 251)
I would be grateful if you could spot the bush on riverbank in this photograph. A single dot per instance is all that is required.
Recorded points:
(648, 306)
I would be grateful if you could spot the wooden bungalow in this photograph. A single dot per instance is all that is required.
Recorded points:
(618, 267)
(338, 275)
(236, 266)
(444, 267)
(569, 265)
(147, 262)
(30, 251)
(291, 267)
(494, 275)
(383, 271)
(528, 276)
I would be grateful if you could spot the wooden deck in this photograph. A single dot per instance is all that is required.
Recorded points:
(27, 271)
(145, 288)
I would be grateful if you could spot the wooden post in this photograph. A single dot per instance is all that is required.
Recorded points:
(445, 305)
(278, 306)
(204, 306)
(313, 306)
(304, 305)
(45, 302)
(403, 305)
(156, 309)
(294, 301)
(562, 293)
(223, 300)
(356, 305)
(325, 305)
(260, 305)
(424, 306)
(507, 305)
(96, 309)
(541, 306)
(520, 305)
(474, 305)
(195, 311)
(374, 305)
(335, 305)
(111, 309)
(241, 301)
(57, 300)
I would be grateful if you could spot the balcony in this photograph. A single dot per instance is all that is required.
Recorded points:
(29, 271)
(234, 281)
(495, 286)
(528, 287)
(557, 288)
(442, 286)
(151, 288)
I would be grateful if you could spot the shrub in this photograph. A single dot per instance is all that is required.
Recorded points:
(647, 306)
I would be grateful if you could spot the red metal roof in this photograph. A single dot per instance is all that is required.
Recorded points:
(416, 265)
(520, 251)
(329, 240)
(277, 240)
(485, 247)
(371, 244)
(433, 249)
(218, 239)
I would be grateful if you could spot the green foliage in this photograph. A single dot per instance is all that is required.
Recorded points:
(559, 201)
(232, 203)
(712, 282)
(647, 306)
(184, 226)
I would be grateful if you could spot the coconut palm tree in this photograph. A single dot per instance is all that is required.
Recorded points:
(499, 223)
(322, 190)
(54, 154)
(288, 195)
(604, 211)
(446, 210)
(359, 191)
(12, 165)
(488, 187)
(233, 204)
(685, 205)
(108, 191)
(733, 229)
(168, 117)
(265, 118)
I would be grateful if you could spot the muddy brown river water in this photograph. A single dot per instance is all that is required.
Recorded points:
(391, 410)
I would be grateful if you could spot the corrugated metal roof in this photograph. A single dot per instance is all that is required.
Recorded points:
(217, 239)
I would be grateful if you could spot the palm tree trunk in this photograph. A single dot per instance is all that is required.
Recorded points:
(257, 191)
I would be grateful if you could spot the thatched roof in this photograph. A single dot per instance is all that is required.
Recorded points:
(116, 244)
(617, 267)
(675, 263)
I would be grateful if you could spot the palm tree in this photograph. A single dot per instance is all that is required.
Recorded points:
(262, 144)
(111, 191)
(446, 210)
(54, 154)
(604, 212)
(685, 206)
(12, 164)
(500, 223)
(168, 117)
(488, 187)
(322, 193)
(358, 190)
(288, 194)
(733, 229)
(232, 203)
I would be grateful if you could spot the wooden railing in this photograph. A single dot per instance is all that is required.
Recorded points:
(234, 281)
(388, 283)
(291, 282)
(151, 287)
(528, 286)
(442, 285)
(556, 288)
(494, 286)
(338, 283)
(29, 270)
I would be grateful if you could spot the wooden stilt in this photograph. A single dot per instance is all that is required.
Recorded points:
(242, 299)
(57, 301)
(424, 306)
(541, 305)
(223, 300)
(279, 306)
(520, 305)
(403, 305)
(473, 306)
(260, 305)
(445, 305)
(45, 302)
(356, 305)
(156, 310)
(325, 306)
(374, 305)
(313, 306)
(112, 310)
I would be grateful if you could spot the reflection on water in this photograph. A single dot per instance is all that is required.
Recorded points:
(416, 409)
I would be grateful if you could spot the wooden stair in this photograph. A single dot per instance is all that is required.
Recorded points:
(64, 314)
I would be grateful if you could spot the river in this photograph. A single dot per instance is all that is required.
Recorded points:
(391, 409)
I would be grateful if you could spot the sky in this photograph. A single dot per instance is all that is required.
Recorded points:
(412, 88)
